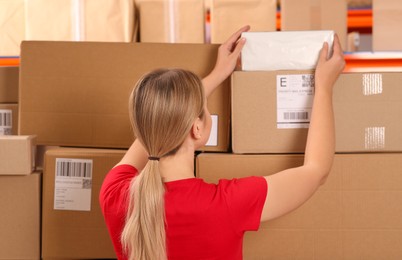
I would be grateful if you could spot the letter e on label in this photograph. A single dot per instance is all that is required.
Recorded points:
(282, 82)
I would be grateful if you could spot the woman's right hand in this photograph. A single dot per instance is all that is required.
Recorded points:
(328, 69)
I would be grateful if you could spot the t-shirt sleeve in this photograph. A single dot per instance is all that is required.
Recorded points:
(115, 185)
(113, 199)
(245, 198)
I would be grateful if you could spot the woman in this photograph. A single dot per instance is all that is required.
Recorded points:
(153, 205)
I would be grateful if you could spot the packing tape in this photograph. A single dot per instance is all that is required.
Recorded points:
(170, 21)
(374, 138)
(315, 14)
(78, 20)
(372, 84)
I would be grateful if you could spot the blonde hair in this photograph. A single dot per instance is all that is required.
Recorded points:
(163, 107)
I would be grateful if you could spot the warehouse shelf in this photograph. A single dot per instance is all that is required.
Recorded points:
(9, 61)
(359, 20)
(373, 61)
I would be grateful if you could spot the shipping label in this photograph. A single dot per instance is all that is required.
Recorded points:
(73, 184)
(6, 122)
(213, 137)
(295, 94)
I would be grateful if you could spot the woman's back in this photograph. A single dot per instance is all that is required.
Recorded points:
(203, 221)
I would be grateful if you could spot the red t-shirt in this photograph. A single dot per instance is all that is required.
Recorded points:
(204, 221)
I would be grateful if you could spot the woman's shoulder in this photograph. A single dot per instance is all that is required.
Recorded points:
(117, 182)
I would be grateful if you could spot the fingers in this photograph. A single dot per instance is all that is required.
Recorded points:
(337, 46)
(232, 39)
(324, 52)
(239, 47)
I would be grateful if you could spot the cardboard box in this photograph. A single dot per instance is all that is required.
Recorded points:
(302, 15)
(17, 154)
(81, 20)
(9, 84)
(12, 26)
(387, 22)
(72, 224)
(366, 106)
(72, 96)
(227, 16)
(356, 214)
(40, 155)
(177, 21)
(20, 217)
(268, 117)
(8, 119)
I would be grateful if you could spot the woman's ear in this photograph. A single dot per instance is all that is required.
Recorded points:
(196, 129)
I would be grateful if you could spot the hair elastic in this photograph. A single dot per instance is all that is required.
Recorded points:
(153, 158)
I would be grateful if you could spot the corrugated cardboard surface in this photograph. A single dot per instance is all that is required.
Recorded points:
(387, 24)
(14, 114)
(179, 21)
(89, 20)
(227, 16)
(73, 234)
(315, 15)
(9, 84)
(17, 154)
(366, 107)
(254, 128)
(356, 214)
(12, 27)
(20, 217)
(76, 93)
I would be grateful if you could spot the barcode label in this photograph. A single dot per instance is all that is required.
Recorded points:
(74, 168)
(73, 184)
(295, 115)
(294, 100)
(6, 118)
(6, 121)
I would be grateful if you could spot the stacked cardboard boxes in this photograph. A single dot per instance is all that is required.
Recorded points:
(65, 20)
(75, 95)
(356, 214)
(20, 191)
(72, 96)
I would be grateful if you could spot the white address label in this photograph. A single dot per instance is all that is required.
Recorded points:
(295, 94)
(73, 184)
(213, 137)
(6, 122)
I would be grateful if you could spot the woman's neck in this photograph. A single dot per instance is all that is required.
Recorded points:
(178, 166)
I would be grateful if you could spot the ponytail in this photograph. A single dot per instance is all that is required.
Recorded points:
(144, 236)
(163, 107)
